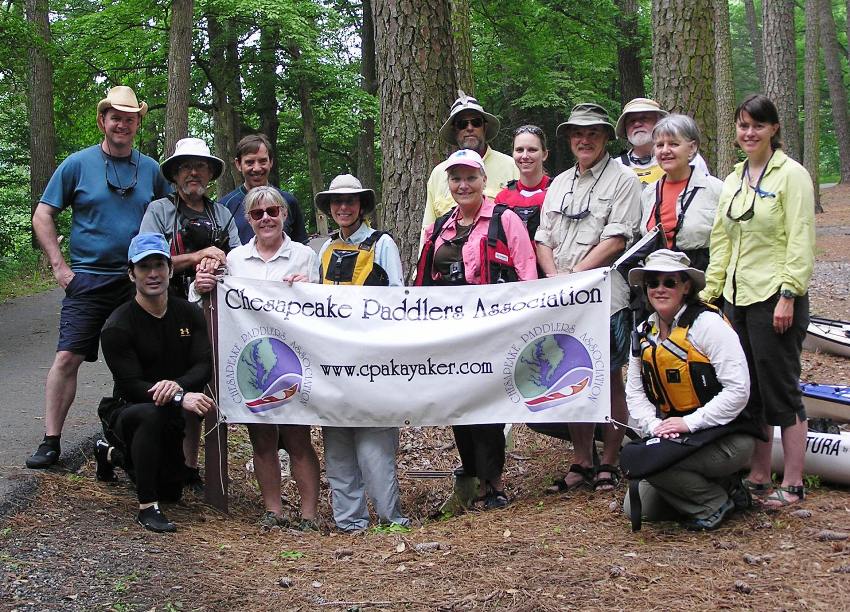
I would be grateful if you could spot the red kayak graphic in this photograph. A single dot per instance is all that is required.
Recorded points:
(559, 395)
(270, 399)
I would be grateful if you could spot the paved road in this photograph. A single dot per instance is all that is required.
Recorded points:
(28, 332)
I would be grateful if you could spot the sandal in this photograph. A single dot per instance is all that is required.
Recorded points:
(608, 483)
(758, 489)
(560, 485)
(777, 499)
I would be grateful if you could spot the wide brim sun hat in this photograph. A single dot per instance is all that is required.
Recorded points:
(345, 184)
(465, 102)
(587, 114)
(122, 98)
(667, 261)
(638, 105)
(190, 147)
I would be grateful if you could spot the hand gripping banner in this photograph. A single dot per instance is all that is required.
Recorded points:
(534, 351)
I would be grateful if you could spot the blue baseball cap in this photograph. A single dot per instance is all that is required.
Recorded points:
(145, 245)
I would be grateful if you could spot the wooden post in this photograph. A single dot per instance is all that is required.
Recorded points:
(215, 434)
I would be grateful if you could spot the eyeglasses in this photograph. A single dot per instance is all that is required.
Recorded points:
(586, 210)
(271, 211)
(189, 166)
(119, 188)
(669, 282)
(476, 122)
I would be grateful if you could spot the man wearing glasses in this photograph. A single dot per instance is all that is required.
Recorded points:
(107, 186)
(590, 214)
(469, 126)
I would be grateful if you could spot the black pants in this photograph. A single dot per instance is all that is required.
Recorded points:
(481, 449)
(151, 440)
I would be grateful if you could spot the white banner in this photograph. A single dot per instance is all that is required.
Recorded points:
(314, 354)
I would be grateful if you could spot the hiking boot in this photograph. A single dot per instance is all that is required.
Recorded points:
(307, 525)
(45, 455)
(710, 523)
(153, 519)
(741, 497)
(495, 500)
(192, 479)
(105, 471)
(270, 520)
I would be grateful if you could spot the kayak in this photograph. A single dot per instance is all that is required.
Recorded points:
(827, 455)
(828, 336)
(826, 401)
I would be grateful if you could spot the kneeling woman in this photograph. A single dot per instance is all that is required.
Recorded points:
(690, 375)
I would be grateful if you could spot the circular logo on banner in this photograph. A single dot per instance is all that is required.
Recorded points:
(268, 373)
(552, 371)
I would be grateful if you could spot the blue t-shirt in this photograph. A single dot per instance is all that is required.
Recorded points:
(103, 221)
(293, 226)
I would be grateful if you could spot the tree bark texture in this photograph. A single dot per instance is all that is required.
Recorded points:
(267, 89)
(837, 91)
(366, 139)
(179, 77)
(628, 53)
(40, 105)
(683, 63)
(811, 98)
(724, 91)
(780, 69)
(755, 39)
(223, 73)
(461, 35)
(414, 51)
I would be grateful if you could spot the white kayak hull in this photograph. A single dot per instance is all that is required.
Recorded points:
(828, 336)
(827, 456)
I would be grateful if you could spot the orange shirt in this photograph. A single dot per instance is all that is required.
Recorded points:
(670, 192)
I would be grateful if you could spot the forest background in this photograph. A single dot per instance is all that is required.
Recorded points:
(362, 87)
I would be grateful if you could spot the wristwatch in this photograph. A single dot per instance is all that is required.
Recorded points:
(177, 400)
(786, 293)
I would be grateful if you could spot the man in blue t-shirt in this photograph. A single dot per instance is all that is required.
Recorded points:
(107, 187)
(254, 160)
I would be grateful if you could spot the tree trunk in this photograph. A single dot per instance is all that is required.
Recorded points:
(179, 77)
(413, 47)
(755, 39)
(311, 135)
(780, 69)
(683, 63)
(40, 105)
(366, 138)
(724, 90)
(224, 78)
(267, 90)
(811, 101)
(461, 36)
(837, 91)
(628, 53)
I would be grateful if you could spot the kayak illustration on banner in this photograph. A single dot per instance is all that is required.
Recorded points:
(268, 373)
(552, 371)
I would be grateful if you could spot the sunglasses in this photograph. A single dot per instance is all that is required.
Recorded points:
(119, 188)
(585, 210)
(669, 282)
(476, 122)
(188, 166)
(529, 129)
(257, 213)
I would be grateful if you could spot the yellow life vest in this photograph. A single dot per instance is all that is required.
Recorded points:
(648, 175)
(677, 378)
(353, 264)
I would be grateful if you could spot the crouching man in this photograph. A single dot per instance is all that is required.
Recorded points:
(158, 351)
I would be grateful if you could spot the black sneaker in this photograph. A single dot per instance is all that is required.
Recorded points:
(192, 479)
(710, 523)
(105, 471)
(153, 519)
(45, 455)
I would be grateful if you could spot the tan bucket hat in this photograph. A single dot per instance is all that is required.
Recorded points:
(190, 147)
(665, 260)
(465, 102)
(638, 105)
(344, 184)
(122, 98)
(587, 114)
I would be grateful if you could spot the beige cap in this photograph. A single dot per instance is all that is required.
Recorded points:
(344, 184)
(638, 105)
(585, 115)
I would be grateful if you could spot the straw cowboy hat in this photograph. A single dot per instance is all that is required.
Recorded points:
(465, 102)
(665, 260)
(122, 98)
(638, 105)
(190, 147)
(585, 115)
(345, 184)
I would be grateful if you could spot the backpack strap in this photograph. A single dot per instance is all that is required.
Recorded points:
(426, 258)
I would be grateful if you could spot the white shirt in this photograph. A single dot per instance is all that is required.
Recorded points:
(716, 339)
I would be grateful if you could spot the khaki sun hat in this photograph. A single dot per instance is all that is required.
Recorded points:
(122, 98)
(665, 260)
(465, 102)
(190, 147)
(585, 115)
(345, 184)
(638, 105)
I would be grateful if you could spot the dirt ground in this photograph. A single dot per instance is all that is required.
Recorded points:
(76, 546)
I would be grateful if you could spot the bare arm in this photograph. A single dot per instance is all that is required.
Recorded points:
(546, 259)
(44, 226)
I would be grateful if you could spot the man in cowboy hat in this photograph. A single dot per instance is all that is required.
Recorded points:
(635, 125)
(107, 186)
(469, 126)
(254, 161)
(590, 214)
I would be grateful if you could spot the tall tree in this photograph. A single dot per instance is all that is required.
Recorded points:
(628, 52)
(179, 73)
(40, 104)
(683, 63)
(755, 38)
(462, 37)
(780, 69)
(724, 90)
(266, 79)
(369, 83)
(837, 91)
(811, 101)
(413, 49)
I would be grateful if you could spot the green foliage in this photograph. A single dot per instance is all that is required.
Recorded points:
(291, 555)
(392, 528)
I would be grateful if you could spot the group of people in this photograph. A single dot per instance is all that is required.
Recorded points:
(717, 359)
